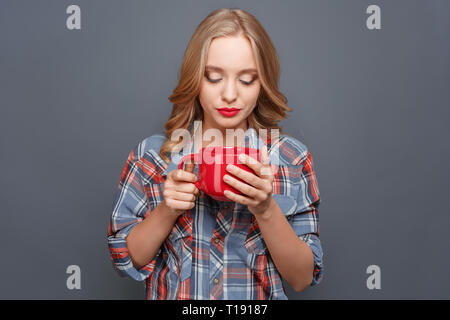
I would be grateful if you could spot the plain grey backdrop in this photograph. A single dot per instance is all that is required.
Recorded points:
(371, 105)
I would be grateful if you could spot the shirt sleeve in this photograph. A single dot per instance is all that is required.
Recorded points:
(130, 207)
(305, 221)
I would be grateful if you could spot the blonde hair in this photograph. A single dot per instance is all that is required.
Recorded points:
(271, 104)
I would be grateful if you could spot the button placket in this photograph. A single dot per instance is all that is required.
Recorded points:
(223, 224)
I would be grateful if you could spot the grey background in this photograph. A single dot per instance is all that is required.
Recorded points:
(371, 105)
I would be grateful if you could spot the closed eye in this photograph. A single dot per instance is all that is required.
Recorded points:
(216, 80)
(247, 83)
(212, 80)
(249, 80)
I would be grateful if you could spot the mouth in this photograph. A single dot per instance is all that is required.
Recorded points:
(228, 112)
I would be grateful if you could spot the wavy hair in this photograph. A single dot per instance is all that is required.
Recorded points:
(271, 105)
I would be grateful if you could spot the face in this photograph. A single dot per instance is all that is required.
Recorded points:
(230, 82)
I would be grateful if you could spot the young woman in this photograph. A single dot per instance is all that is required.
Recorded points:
(182, 242)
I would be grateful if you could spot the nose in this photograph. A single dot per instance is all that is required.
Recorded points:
(229, 93)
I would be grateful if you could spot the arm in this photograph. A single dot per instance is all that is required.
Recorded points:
(292, 256)
(145, 239)
(136, 231)
(294, 248)
(130, 207)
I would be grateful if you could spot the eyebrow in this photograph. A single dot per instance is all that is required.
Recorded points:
(218, 69)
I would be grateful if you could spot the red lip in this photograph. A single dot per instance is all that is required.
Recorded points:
(228, 109)
(228, 112)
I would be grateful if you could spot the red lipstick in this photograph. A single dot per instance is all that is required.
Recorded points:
(228, 112)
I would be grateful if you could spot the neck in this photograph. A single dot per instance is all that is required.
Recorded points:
(233, 140)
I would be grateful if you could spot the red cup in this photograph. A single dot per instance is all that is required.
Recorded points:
(212, 163)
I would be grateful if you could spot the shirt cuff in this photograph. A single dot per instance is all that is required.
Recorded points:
(121, 259)
(313, 242)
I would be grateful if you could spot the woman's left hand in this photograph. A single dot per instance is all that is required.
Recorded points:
(257, 192)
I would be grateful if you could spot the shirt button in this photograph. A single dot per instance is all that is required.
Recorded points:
(216, 240)
(216, 281)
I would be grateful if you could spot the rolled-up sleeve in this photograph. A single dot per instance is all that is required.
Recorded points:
(305, 221)
(130, 207)
(313, 242)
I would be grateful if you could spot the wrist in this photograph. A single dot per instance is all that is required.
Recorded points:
(167, 212)
(270, 211)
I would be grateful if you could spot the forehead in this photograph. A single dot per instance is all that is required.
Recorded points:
(231, 54)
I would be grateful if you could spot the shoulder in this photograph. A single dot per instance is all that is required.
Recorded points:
(290, 150)
(146, 157)
(151, 144)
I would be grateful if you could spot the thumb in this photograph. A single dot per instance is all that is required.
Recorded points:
(189, 167)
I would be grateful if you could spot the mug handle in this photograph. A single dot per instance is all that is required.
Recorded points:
(180, 167)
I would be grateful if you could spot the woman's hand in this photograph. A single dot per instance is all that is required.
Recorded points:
(257, 192)
(179, 190)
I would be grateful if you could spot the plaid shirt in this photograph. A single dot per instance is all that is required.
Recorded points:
(215, 250)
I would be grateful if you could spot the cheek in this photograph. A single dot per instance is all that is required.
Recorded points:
(251, 95)
(207, 95)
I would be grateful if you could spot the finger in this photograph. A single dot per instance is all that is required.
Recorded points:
(254, 164)
(244, 188)
(240, 199)
(266, 170)
(182, 175)
(182, 196)
(180, 205)
(260, 169)
(189, 167)
(248, 177)
(264, 155)
(186, 187)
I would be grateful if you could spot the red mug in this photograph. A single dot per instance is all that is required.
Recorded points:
(212, 163)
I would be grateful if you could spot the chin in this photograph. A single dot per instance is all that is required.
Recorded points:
(229, 123)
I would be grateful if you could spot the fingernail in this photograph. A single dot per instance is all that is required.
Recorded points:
(241, 157)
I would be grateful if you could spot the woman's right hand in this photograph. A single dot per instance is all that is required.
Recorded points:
(179, 190)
